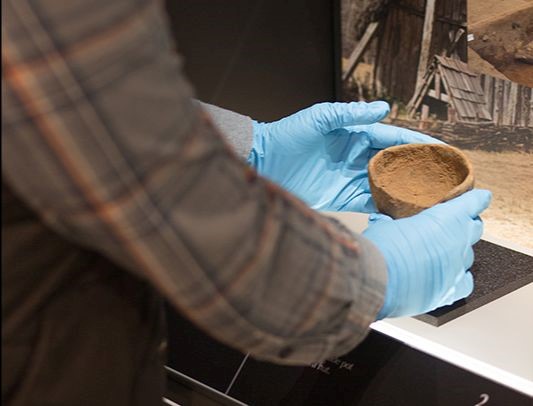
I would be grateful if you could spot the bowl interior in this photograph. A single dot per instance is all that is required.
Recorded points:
(421, 174)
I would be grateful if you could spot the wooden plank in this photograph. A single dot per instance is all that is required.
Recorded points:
(425, 112)
(427, 33)
(507, 108)
(525, 106)
(359, 50)
(452, 108)
(417, 98)
(443, 96)
(520, 102)
(455, 41)
(424, 117)
(452, 114)
(513, 103)
(530, 124)
(498, 101)
(437, 85)
(488, 91)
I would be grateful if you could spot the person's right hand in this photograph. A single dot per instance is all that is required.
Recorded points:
(429, 255)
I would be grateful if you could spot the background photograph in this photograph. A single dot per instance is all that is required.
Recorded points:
(418, 55)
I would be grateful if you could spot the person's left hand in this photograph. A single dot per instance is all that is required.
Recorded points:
(321, 153)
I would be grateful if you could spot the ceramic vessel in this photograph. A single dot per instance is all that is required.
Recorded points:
(407, 179)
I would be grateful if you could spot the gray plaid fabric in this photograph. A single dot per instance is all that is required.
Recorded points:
(102, 139)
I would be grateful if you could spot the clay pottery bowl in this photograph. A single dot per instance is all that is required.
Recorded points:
(407, 179)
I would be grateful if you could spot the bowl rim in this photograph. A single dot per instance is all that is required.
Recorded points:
(454, 192)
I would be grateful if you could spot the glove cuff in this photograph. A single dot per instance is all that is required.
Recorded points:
(257, 153)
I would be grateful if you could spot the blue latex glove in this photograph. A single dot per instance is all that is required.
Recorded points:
(321, 153)
(428, 255)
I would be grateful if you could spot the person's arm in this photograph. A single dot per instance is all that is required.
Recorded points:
(102, 139)
(237, 129)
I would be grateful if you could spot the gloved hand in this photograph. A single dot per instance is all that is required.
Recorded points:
(321, 153)
(428, 255)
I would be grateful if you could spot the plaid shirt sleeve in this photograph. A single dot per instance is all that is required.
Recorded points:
(102, 139)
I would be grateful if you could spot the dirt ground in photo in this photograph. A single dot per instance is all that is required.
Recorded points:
(482, 11)
(503, 37)
(509, 175)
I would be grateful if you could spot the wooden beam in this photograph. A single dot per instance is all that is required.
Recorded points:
(521, 111)
(510, 116)
(507, 110)
(437, 85)
(359, 50)
(424, 115)
(530, 123)
(442, 97)
(488, 91)
(455, 41)
(453, 113)
(419, 94)
(425, 45)
(425, 112)
(524, 107)
(498, 101)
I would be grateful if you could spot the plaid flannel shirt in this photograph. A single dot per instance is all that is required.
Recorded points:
(102, 139)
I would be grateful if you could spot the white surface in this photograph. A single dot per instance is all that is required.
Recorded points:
(494, 341)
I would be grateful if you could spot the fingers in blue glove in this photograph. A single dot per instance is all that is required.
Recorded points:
(477, 230)
(469, 258)
(308, 153)
(362, 203)
(376, 217)
(383, 136)
(473, 203)
(462, 288)
(332, 116)
(428, 255)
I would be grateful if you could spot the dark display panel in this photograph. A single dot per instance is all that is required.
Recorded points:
(379, 372)
(265, 59)
(497, 271)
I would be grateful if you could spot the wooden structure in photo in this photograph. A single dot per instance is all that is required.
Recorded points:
(450, 84)
(400, 46)
(509, 103)
(454, 93)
